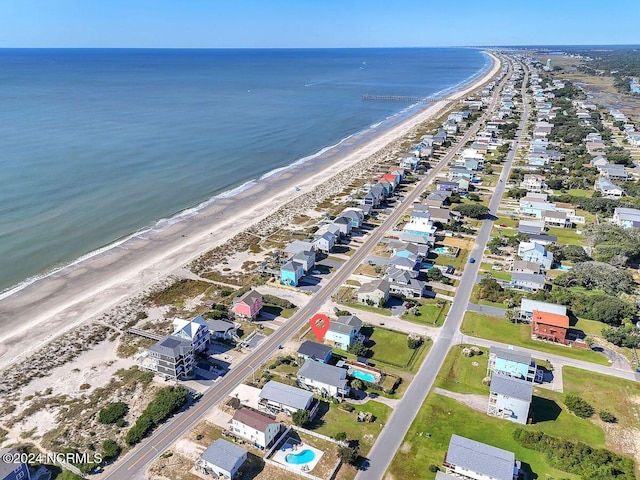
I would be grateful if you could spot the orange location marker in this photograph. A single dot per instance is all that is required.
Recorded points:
(319, 324)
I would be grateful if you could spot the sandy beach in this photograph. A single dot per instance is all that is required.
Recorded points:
(79, 294)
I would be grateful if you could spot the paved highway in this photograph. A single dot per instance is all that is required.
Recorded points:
(404, 413)
(134, 465)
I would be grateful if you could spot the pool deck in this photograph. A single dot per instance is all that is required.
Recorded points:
(289, 448)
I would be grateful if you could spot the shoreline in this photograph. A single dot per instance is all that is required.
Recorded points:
(62, 301)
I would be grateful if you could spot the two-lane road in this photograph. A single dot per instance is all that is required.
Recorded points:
(134, 465)
(404, 413)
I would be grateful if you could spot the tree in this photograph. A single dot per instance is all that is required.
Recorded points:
(472, 210)
(113, 412)
(358, 348)
(578, 406)
(598, 275)
(434, 274)
(607, 416)
(357, 384)
(340, 436)
(474, 197)
(491, 290)
(381, 302)
(300, 417)
(414, 341)
(110, 449)
(348, 454)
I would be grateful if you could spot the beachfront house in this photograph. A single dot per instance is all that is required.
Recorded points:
(315, 351)
(510, 398)
(614, 171)
(375, 293)
(222, 459)
(523, 266)
(533, 183)
(355, 217)
(195, 331)
(10, 470)
(626, 217)
(344, 224)
(172, 357)
(276, 397)
(559, 219)
(323, 378)
(324, 243)
(410, 163)
(255, 427)
(468, 459)
(223, 329)
(343, 331)
(290, 273)
(511, 362)
(306, 259)
(248, 305)
(534, 252)
(528, 306)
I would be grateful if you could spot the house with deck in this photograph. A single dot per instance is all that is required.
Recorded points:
(315, 351)
(257, 428)
(223, 330)
(248, 305)
(222, 459)
(291, 272)
(403, 283)
(527, 282)
(533, 183)
(172, 357)
(324, 243)
(534, 252)
(510, 398)
(523, 266)
(343, 331)
(607, 188)
(528, 306)
(344, 224)
(375, 292)
(626, 217)
(531, 227)
(513, 363)
(472, 460)
(557, 219)
(323, 378)
(276, 397)
(195, 331)
(549, 327)
(614, 172)
(420, 223)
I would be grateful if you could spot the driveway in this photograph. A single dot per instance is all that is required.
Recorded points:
(487, 310)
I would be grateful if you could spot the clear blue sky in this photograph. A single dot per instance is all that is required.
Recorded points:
(315, 23)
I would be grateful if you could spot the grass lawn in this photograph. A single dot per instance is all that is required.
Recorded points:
(391, 348)
(279, 311)
(361, 306)
(578, 192)
(501, 330)
(590, 327)
(444, 292)
(441, 416)
(335, 420)
(567, 236)
(509, 222)
(585, 291)
(430, 313)
(458, 262)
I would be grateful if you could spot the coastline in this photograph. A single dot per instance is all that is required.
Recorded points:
(59, 302)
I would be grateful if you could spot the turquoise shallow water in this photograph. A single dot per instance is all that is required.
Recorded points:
(98, 144)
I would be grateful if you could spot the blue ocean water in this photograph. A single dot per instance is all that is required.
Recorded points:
(97, 144)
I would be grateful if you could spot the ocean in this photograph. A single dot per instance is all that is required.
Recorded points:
(97, 144)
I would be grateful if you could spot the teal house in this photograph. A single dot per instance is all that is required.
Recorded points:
(291, 273)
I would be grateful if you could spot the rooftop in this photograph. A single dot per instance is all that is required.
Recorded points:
(286, 394)
(314, 350)
(481, 458)
(531, 305)
(254, 419)
(552, 319)
(323, 373)
(223, 454)
(510, 354)
(511, 387)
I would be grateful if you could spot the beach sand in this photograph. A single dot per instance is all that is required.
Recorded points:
(48, 308)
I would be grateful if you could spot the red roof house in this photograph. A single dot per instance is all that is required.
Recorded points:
(549, 326)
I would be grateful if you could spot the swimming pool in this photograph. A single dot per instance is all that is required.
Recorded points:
(442, 250)
(564, 268)
(366, 376)
(305, 456)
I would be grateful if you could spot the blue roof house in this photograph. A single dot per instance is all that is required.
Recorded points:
(291, 273)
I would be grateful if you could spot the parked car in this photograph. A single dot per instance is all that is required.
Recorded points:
(502, 225)
(472, 260)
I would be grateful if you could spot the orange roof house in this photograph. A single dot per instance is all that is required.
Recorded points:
(549, 326)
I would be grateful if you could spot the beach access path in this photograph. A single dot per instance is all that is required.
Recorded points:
(134, 465)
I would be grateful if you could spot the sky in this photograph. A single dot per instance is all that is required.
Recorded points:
(315, 23)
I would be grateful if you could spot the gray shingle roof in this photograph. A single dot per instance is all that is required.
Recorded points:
(223, 454)
(314, 350)
(513, 355)
(511, 387)
(345, 323)
(286, 395)
(481, 458)
(529, 305)
(528, 278)
(249, 297)
(323, 373)
(171, 346)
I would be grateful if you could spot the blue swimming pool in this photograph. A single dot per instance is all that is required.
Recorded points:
(365, 376)
(305, 456)
(442, 250)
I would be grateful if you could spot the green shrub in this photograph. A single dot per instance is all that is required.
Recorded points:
(340, 436)
(113, 412)
(578, 406)
(110, 449)
(300, 417)
(167, 401)
(607, 416)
